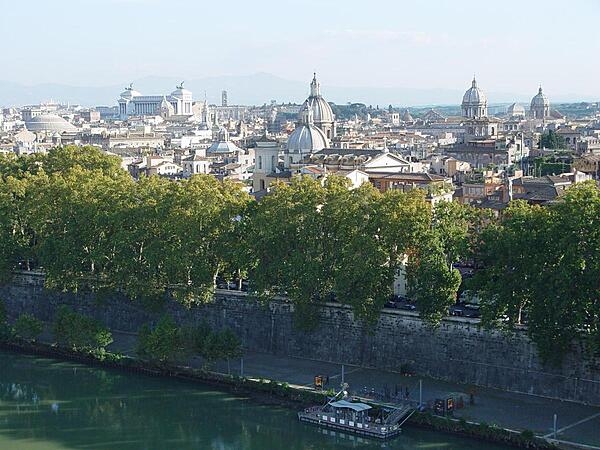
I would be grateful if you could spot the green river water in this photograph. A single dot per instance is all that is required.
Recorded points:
(47, 404)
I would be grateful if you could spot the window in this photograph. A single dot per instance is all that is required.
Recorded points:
(260, 162)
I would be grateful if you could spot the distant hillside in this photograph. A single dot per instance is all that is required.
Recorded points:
(255, 89)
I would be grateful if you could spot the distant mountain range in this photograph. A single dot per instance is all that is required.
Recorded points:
(255, 89)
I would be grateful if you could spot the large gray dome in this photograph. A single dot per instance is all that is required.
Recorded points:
(539, 100)
(515, 110)
(474, 95)
(321, 111)
(474, 102)
(306, 139)
(223, 144)
(540, 106)
(49, 123)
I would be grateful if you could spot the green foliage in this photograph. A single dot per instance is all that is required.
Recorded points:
(546, 262)
(552, 140)
(231, 347)
(28, 327)
(451, 237)
(211, 350)
(194, 337)
(553, 164)
(433, 282)
(313, 241)
(220, 345)
(163, 343)
(77, 214)
(79, 332)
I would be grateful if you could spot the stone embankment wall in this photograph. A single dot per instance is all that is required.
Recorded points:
(457, 351)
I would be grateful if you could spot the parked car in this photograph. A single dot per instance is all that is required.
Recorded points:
(403, 303)
(472, 311)
(465, 310)
(407, 306)
(456, 310)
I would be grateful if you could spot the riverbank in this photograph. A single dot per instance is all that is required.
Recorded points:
(273, 392)
(458, 352)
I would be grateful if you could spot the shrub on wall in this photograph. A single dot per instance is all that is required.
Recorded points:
(166, 342)
(161, 344)
(28, 327)
(79, 332)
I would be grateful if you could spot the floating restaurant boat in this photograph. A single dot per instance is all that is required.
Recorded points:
(358, 418)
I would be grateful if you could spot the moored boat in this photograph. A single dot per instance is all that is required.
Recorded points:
(358, 418)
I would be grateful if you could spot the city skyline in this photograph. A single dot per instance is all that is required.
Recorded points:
(512, 49)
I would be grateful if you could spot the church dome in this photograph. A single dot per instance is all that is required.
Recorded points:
(307, 139)
(474, 103)
(321, 110)
(223, 145)
(539, 100)
(49, 123)
(474, 95)
(516, 110)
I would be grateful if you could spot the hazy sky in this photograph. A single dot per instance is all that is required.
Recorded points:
(512, 46)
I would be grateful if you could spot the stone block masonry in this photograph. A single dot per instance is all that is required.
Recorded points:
(457, 351)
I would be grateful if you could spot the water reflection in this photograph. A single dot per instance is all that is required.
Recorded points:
(56, 405)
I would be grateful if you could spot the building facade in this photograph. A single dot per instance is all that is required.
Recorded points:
(133, 103)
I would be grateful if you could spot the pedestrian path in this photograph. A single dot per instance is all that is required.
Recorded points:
(576, 423)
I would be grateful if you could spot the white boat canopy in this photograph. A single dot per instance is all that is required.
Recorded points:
(355, 406)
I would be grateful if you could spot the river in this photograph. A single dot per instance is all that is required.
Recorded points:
(47, 404)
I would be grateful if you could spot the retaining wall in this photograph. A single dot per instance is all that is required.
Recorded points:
(457, 351)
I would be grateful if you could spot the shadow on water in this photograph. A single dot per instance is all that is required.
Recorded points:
(59, 405)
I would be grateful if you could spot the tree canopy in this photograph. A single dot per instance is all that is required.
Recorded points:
(541, 265)
(77, 215)
(552, 140)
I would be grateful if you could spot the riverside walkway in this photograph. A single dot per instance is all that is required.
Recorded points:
(576, 423)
